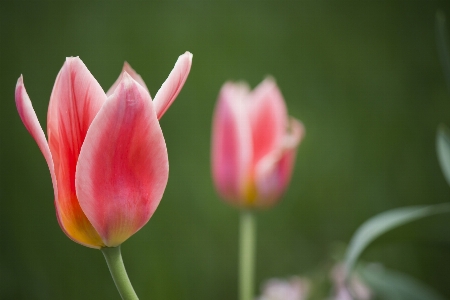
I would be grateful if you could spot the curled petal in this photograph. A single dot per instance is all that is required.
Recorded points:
(123, 165)
(231, 143)
(127, 68)
(173, 84)
(268, 115)
(76, 98)
(274, 171)
(31, 122)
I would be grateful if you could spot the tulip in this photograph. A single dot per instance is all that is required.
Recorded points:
(105, 151)
(341, 288)
(254, 144)
(296, 288)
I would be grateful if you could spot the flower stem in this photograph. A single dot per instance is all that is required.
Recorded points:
(119, 274)
(247, 255)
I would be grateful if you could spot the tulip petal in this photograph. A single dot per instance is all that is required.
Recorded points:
(231, 142)
(123, 165)
(268, 115)
(274, 171)
(173, 84)
(75, 101)
(31, 122)
(127, 68)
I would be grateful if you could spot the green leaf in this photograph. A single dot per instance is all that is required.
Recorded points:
(393, 285)
(384, 222)
(443, 150)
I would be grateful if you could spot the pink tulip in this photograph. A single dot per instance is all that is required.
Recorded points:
(254, 144)
(106, 152)
(296, 288)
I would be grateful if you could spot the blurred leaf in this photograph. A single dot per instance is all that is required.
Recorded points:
(382, 223)
(443, 45)
(443, 150)
(393, 285)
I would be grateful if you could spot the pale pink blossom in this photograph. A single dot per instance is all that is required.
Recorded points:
(341, 291)
(296, 288)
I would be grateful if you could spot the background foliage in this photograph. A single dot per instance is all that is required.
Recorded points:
(364, 77)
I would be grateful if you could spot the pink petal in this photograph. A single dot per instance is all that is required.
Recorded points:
(231, 143)
(75, 101)
(274, 171)
(123, 166)
(127, 68)
(173, 84)
(31, 122)
(268, 115)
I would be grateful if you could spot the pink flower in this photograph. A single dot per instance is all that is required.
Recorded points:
(254, 144)
(360, 290)
(106, 152)
(297, 288)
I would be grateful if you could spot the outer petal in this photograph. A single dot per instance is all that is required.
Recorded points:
(127, 68)
(173, 84)
(268, 115)
(75, 101)
(123, 166)
(274, 171)
(30, 120)
(231, 143)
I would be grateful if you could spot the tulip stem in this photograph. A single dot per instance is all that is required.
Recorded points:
(247, 247)
(119, 274)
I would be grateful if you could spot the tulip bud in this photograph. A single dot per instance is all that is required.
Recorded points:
(254, 144)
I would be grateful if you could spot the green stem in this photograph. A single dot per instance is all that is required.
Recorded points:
(118, 272)
(247, 255)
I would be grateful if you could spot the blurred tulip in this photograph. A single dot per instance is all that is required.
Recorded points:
(254, 144)
(359, 290)
(106, 152)
(296, 288)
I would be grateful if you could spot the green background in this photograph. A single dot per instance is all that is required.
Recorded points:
(364, 77)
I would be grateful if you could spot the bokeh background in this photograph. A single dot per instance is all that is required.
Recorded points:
(364, 77)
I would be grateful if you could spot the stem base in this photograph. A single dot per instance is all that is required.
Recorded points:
(119, 274)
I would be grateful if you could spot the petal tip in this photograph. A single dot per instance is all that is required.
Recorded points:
(127, 68)
(20, 87)
(72, 58)
(19, 81)
(187, 54)
(270, 83)
(127, 79)
(128, 82)
(186, 58)
(125, 75)
(173, 84)
(270, 79)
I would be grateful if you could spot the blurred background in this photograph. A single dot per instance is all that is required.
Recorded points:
(364, 77)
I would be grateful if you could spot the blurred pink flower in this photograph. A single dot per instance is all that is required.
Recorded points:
(296, 288)
(106, 152)
(341, 292)
(254, 144)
